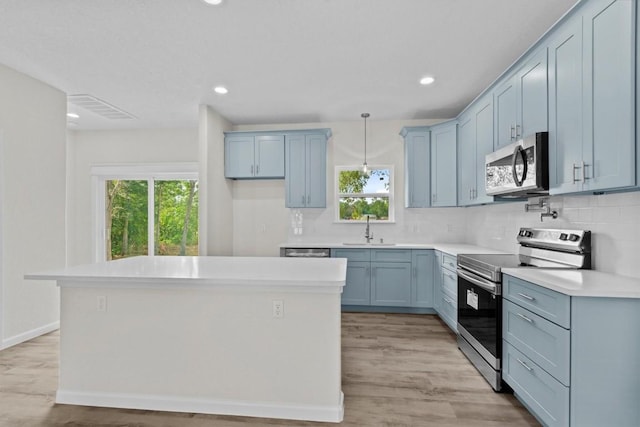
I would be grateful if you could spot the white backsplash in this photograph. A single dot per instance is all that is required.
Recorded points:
(614, 221)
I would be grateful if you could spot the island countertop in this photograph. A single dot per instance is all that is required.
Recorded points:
(205, 271)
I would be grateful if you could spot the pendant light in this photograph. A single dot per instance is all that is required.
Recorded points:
(365, 167)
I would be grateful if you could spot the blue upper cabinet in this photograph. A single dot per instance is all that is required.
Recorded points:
(592, 59)
(466, 157)
(253, 156)
(443, 164)
(475, 141)
(521, 101)
(417, 155)
(306, 169)
(506, 113)
(484, 146)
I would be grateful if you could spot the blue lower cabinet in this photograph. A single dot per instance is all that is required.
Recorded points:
(357, 289)
(391, 284)
(422, 278)
(546, 397)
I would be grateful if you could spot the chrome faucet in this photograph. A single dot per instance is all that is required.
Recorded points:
(367, 233)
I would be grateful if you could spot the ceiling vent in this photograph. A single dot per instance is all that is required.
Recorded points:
(98, 106)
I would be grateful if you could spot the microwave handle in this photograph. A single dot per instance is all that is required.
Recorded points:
(519, 151)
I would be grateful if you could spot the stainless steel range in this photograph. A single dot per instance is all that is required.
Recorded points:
(480, 290)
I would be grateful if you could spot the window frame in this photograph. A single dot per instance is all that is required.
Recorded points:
(338, 195)
(100, 174)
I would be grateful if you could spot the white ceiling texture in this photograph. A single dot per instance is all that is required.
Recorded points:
(283, 61)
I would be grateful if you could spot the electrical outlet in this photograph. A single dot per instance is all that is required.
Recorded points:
(278, 309)
(102, 303)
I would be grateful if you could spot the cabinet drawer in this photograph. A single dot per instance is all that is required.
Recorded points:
(352, 254)
(450, 284)
(544, 302)
(449, 262)
(391, 255)
(544, 342)
(449, 312)
(545, 396)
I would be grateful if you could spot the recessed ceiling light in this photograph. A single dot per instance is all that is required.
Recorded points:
(427, 80)
(73, 116)
(220, 89)
(213, 2)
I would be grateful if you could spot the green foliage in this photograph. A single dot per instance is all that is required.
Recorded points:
(352, 181)
(358, 208)
(129, 213)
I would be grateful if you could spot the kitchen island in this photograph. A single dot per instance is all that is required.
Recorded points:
(217, 335)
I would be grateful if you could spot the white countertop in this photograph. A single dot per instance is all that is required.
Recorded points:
(250, 271)
(580, 283)
(450, 248)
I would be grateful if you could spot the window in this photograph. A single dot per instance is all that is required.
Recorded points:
(146, 210)
(360, 195)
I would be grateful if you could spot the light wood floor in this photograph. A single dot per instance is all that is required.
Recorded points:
(398, 370)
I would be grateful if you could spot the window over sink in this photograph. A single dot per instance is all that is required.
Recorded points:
(361, 195)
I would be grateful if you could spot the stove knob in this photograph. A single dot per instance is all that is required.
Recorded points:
(563, 236)
(574, 237)
(529, 234)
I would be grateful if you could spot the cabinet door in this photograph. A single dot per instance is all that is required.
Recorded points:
(506, 113)
(609, 95)
(391, 284)
(443, 166)
(295, 182)
(437, 282)
(532, 96)
(417, 173)
(565, 107)
(238, 157)
(466, 158)
(422, 263)
(484, 146)
(316, 173)
(269, 156)
(357, 288)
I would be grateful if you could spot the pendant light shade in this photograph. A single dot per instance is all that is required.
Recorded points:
(365, 167)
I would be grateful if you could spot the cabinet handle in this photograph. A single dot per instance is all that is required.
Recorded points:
(257, 169)
(512, 129)
(518, 134)
(584, 172)
(451, 276)
(575, 168)
(251, 169)
(525, 296)
(308, 199)
(303, 200)
(524, 364)
(448, 301)
(525, 318)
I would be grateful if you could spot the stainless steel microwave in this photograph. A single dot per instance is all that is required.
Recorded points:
(520, 169)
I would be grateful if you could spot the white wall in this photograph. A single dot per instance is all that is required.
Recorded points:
(91, 148)
(216, 197)
(614, 220)
(261, 221)
(33, 128)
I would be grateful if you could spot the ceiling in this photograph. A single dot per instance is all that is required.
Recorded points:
(283, 61)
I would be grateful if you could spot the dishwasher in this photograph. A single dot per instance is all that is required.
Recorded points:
(305, 252)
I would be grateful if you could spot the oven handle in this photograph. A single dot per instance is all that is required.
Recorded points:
(483, 283)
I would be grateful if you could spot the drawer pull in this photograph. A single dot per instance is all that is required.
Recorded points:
(451, 265)
(523, 317)
(450, 276)
(524, 365)
(525, 296)
(448, 301)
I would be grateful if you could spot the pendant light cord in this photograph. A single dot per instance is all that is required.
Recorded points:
(364, 116)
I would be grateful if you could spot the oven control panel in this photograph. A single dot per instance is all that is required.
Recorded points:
(565, 240)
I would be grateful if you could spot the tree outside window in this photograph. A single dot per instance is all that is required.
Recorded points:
(361, 195)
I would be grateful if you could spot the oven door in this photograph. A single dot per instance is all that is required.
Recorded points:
(480, 316)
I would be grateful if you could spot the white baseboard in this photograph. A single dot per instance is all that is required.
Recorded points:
(26, 336)
(323, 413)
